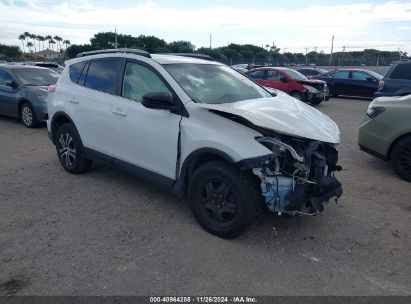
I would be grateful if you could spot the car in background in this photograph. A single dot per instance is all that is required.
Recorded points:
(386, 132)
(242, 68)
(23, 92)
(291, 82)
(51, 65)
(312, 71)
(396, 81)
(351, 82)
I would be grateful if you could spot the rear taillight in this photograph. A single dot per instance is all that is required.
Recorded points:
(380, 85)
(52, 88)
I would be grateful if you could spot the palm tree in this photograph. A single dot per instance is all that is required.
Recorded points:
(66, 43)
(32, 36)
(27, 35)
(22, 38)
(29, 45)
(58, 39)
(48, 38)
(41, 38)
(52, 43)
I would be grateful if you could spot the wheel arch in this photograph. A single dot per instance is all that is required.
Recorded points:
(59, 118)
(20, 103)
(194, 160)
(408, 134)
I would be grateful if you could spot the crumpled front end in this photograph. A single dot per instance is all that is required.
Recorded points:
(298, 177)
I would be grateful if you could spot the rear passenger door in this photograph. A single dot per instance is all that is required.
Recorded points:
(145, 140)
(341, 83)
(89, 102)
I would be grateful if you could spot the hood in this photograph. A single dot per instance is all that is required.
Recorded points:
(283, 114)
(311, 81)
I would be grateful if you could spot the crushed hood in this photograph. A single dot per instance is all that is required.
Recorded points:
(283, 114)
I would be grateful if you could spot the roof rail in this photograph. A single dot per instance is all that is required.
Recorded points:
(122, 50)
(193, 55)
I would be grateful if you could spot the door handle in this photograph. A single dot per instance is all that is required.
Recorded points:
(119, 112)
(73, 100)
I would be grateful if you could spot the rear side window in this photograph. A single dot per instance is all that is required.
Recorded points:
(402, 71)
(75, 70)
(359, 75)
(273, 75)
(102, 75)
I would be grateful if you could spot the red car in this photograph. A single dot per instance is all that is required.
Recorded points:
(292, 82)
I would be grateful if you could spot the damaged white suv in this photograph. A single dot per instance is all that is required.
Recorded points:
(198, 128)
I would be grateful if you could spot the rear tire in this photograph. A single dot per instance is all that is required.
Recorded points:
(27, 115)
(401, 158)
(224, 200)
(70, 149)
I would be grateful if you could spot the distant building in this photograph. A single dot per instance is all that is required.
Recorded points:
(48, 54)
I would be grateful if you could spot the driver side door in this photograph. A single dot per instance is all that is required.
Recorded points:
(144, 140)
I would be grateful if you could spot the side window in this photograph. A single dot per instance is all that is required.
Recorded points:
(4, 77)
(402, 71)
(273, 75)
(342, 74)
(102, 75)
(75, 70)
(256, 74)
(355, 75)
(83, 75)
(139, 80)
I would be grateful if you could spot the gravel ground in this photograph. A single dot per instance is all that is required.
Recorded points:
(107, 233)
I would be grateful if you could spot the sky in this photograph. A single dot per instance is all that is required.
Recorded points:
(293, 26)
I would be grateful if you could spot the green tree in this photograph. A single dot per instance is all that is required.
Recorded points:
(181, 47)
(22, 37)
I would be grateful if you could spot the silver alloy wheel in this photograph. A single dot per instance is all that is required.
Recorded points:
(27, 115)
(67, 150)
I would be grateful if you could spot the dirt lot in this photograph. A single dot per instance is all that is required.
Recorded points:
(107, 233)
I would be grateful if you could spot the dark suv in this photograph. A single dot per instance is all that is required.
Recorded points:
(396, 81)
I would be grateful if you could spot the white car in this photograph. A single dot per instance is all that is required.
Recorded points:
(198, 128)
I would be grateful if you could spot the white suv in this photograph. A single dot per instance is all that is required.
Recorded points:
(198, 128)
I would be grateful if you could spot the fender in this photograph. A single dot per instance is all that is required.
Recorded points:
(58, 118)
(193, 161)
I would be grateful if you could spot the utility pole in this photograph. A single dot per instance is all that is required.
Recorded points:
(115, 31)
(306, 59)
(211, 37)
(399, 52)
(331, 54)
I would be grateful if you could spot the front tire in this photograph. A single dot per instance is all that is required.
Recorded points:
(70, 149)
(401, 158)
(297, 95)
(224, 200)
(27, 115)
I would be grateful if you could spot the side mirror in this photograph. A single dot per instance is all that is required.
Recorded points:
(11, 84)
(159, 100)
(283, 79)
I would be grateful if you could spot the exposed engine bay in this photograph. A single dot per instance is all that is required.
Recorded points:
(298, 177)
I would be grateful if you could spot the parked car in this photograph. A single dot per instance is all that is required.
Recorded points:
(386, 132)
(51, 65)
(198, 128)
(291, 82)
(354, 82)
(23, 92)
(396, 81)
(312, 71)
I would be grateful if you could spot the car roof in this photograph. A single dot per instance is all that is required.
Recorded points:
(21, 67)
(159, 58)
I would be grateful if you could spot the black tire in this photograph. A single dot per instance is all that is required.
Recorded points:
(28, 116)
(316, 102)
(70, 149)
(401, 158)
(297, 95)
(224, 200)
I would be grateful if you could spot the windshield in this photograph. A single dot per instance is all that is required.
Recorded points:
(36, 77)
(295, 75)
(213, 84)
